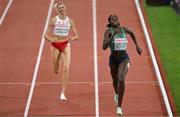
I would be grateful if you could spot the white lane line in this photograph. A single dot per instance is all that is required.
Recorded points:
(95, 57)
(57, 83)
(5, 11)
(158, 74)
(38, 61)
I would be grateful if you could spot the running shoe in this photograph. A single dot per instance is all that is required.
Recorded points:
(63, 97)
(119, 111)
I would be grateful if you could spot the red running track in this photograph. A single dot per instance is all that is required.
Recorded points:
(20, 38)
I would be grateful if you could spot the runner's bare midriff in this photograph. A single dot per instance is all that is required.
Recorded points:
(60, 38)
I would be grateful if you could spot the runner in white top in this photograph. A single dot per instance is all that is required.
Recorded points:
(58, 33)
(62, 27)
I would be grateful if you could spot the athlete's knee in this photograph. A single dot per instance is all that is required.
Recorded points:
(115, 82)
(65, 69)
(121, 77)
(121, 82)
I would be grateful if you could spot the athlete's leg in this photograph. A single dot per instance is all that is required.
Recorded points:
(56, 55)
(122, 71)
(114, 75)
(66, 57)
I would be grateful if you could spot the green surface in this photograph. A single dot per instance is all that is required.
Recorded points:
(165, 26)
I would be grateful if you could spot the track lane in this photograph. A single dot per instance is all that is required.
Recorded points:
(18, 53)
(80, 95)
(3, 4)
(140, 99)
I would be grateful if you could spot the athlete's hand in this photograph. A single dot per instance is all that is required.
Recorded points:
(74, 38)
(116, 31)
(112, 36)
(70, 39)
(139, 50)
(50, 38)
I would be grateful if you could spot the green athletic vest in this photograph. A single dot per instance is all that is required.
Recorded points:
(119, 41)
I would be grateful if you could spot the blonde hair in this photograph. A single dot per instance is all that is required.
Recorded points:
(58, 3)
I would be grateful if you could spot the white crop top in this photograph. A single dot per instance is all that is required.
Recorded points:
(62, 27)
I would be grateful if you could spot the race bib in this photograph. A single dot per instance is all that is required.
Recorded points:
(61, 31)
(120, 43)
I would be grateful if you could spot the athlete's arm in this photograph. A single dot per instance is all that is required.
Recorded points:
(48, 31)
(74, 31)
(139, 50)
(107, 38)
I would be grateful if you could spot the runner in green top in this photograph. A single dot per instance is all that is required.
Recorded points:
(119, 41)
(115, 38)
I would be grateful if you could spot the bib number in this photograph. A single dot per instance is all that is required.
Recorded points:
(120, 43)
(61, 31)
